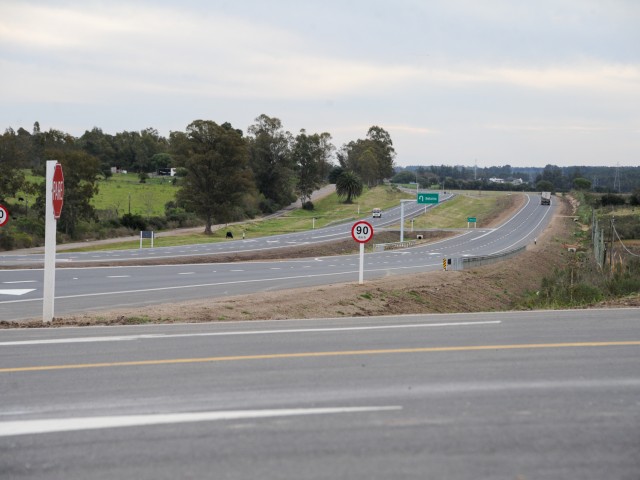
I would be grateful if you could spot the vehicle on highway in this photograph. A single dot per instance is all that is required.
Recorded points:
(377, 213)
(545, 198)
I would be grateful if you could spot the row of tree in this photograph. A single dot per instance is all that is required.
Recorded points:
(598, 179)
(225, 175)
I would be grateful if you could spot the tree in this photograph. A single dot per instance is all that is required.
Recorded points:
(98, 144)
(311, 154)
(272, 163)
(81, 172)
(12, 160)
(544, 186)
(216, 162)
(334, 173)
(349, 185)
(580, 183)
(372, 158)
(385, 152)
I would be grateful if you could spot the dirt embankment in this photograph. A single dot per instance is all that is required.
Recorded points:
(495, 287)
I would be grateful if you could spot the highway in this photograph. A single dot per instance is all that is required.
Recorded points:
(82, 289)
(309, 237)
(518, 395)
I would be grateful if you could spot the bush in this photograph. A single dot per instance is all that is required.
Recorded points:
(133, 222)
(308, 205)
(157, 223)
(7, 241)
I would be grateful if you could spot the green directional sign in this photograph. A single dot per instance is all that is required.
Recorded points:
(428, 198)
(471, 219)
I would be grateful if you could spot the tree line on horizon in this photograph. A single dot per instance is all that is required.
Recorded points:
(554, 178)
(223, 174)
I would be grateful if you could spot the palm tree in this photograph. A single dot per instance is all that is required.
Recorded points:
(349, 185)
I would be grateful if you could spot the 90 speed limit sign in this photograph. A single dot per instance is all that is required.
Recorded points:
(362, 231)
(4, 215)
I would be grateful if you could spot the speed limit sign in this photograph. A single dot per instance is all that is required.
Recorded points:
(362, 231)
(4, 215)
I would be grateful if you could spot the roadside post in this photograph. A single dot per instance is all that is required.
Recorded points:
(147, 234)
(362, 232)
(54, 190)
(421, 198)
(402, 202)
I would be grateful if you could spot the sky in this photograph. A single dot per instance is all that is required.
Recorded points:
(454, 82)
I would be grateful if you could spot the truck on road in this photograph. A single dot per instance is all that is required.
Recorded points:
(545, 198)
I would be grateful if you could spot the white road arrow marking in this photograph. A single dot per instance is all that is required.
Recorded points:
(17, 291)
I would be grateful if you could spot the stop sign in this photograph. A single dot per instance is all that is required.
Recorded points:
(58, 191)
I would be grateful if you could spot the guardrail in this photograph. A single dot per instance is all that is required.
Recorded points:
(471, 262)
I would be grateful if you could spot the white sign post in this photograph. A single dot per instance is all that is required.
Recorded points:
(362, 232)
(54, 189)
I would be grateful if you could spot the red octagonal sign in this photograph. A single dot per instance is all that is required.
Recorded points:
(58, 190)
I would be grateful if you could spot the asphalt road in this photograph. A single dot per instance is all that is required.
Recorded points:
(309, 237)
(527, 395)
(82, 289)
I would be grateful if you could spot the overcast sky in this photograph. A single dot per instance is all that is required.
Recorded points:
(455, 82)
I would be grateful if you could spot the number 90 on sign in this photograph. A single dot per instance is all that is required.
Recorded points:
(4, 215)
(362, 232)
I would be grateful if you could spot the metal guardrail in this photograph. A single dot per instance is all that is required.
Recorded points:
(471, 262)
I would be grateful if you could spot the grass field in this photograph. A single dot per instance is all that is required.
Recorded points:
(123, 193)
(452, 214)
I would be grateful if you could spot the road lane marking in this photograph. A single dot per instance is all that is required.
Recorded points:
(17, 291)
(344, 353)
(20, 281)
(30, 427)
(118, 276)
(120, 338)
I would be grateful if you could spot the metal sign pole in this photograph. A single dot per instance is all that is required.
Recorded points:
(361, 276)
(49, 248)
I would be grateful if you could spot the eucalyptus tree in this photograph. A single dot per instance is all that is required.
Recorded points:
(272, 163)
(217, 177)
(312, 157)
(370, 158)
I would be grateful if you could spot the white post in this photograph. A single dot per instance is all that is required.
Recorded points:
(361, 276)
(49, 247)
(140, 238)
(314, 223)
(401, 221)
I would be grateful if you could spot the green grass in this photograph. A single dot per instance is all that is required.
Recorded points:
(454, 213)
(123, 193)
(328, 210)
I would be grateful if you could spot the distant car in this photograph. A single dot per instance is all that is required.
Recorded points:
(377, 213)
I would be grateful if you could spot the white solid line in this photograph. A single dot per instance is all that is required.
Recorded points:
(118, 276)
(30, 427)
(21, 281)
(155, 336)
